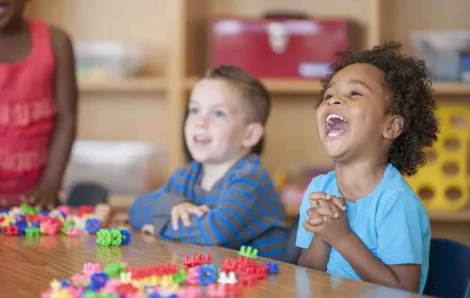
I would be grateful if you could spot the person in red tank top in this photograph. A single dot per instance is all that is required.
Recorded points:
(38, 102)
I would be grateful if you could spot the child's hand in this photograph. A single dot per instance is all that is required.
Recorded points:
(333, 229)
(148, 229)
(43, 196)
(315, 220)
(321, 199)
(183, 211)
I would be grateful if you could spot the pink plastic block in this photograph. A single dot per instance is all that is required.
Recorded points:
(79, 278)
(192, 277)
(64, 209)
(189, 293)
(111, 286)
(50, 227)
(216, 291)
(91, 268)
(72, 231)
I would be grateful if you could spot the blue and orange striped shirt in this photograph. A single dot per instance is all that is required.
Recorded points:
(245, 209)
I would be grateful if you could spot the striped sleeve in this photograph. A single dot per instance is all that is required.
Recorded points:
(247, 207)
(152, 208)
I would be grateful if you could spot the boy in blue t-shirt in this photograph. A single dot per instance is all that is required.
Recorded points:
(363, 220)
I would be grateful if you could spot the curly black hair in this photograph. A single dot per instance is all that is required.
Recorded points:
(411, 97)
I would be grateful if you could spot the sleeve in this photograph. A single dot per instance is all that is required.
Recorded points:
(304, 238)
(247, 207)
(401, 224)
(147, 207)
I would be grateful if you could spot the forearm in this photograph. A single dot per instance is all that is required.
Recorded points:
(148, 206)
(365, 264)
(60, 147)
(213, 228)
(316, 255)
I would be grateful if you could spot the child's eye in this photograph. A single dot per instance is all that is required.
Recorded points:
(327, 96)
(354, 93)
(219, 114)
(193, 111)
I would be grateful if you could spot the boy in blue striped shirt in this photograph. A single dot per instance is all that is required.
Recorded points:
(225, 196)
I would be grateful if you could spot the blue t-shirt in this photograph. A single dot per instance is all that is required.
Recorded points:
(391, 221)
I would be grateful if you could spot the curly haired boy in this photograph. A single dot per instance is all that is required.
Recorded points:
(363, 220)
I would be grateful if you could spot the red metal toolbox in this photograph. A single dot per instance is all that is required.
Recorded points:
(278, 48)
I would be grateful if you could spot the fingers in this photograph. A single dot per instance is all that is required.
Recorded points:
(312, 228)
(338, 202)
(204, 208)
(175, 218)
(316, 197)
(185, 217)
(326, 211)
(148, 229)
(311, 213)
(317, 220)
(197, 210)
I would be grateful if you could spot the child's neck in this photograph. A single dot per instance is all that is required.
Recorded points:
(13, 28)
(212, 173)
(356, 181)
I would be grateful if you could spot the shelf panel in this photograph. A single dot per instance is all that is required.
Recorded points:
(462, 216)
(281, 86)
(150, 84)
(304, 86)
(451, 88)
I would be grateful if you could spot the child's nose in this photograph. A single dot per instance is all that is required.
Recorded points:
(202, 121)
(335, 101)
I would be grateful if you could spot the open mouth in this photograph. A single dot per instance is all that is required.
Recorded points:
(201, 140)
(335, 125)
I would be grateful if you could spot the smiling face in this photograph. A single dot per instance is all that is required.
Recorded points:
(352, 119)
(10, 10)
(216, 129)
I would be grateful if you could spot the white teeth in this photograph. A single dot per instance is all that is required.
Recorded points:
(331, 116)
(333, 134)
(201, 139)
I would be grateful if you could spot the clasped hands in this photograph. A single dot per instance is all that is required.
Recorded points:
(327, 218)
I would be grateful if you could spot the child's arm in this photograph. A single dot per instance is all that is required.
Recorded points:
(149, 207)
(372, 269)
(316, 255)
(400, 243)
(315, 251)
(64, 131)
(247, 207)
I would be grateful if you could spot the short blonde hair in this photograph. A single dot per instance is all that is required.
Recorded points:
(253, 92)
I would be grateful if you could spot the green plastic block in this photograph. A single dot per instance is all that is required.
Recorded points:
(103, 237)
(248, 252)
(32, 232)
(179, 277)
(114, 270)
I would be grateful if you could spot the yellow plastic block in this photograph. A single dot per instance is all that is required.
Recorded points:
(442, 183)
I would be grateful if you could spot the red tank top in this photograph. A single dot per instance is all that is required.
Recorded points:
(26, 115)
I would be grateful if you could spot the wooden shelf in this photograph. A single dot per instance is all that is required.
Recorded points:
(451, 88)
(304, 86)
(144, 84)
(462, 216)
(281, 86)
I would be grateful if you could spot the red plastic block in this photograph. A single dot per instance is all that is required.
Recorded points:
(11, 231)
(126, 289)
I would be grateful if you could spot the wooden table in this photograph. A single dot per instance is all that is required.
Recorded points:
(27, 266)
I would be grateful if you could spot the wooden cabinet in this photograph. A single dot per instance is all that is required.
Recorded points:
(175, 31)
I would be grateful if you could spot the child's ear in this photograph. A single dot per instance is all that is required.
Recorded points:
(254, 133)
(393, 127)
